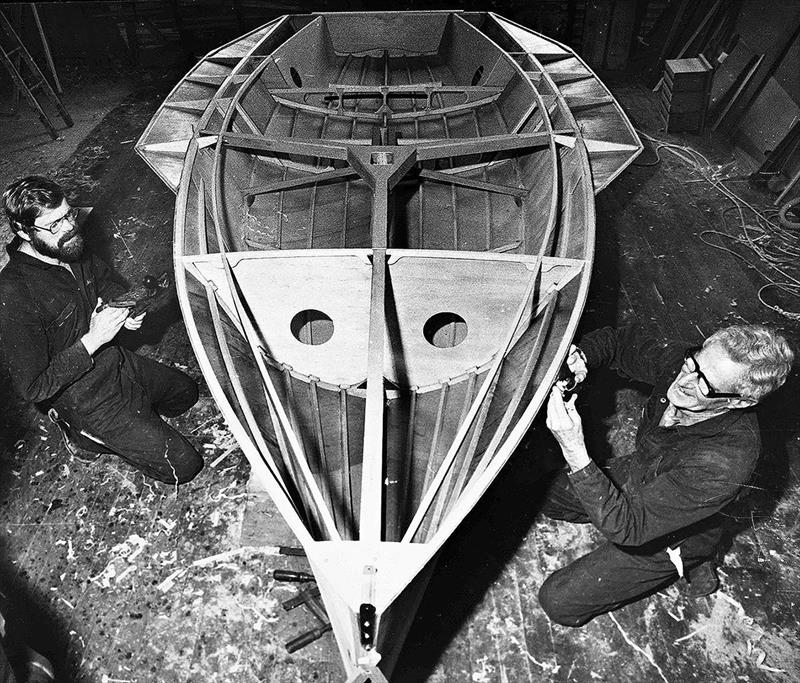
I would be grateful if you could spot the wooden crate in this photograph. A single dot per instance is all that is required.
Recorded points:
(685, 90)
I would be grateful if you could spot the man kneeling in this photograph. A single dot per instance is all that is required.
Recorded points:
(696, 446)
(58, 341)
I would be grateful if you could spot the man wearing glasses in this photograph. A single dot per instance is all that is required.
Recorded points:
(696, 446)
(58, 342)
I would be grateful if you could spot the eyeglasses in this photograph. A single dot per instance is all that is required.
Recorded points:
(691, 364)
(71, 217)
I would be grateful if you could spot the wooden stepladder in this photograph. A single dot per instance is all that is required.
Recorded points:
(28, 77)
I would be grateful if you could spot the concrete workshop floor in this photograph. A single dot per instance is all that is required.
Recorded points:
(96, 562)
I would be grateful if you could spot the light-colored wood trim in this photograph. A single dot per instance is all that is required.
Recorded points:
(371, 508)
(324, 484)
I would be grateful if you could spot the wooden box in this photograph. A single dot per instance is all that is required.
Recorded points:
(685, 90)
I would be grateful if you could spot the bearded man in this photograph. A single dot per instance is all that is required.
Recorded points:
(59, 343)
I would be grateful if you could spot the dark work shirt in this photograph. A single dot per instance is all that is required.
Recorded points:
(678, 476)
(44, 311)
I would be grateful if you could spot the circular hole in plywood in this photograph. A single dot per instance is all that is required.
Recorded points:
(295, 77)
(312, 327)
(445, 330)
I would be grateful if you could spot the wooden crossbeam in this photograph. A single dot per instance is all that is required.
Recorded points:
(452, 179)
(293, 183)
(564, 77)
(317, 148)
(410, 89)
(385, 110)
(484, 145)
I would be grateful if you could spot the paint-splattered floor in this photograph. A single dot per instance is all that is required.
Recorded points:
(121, 580)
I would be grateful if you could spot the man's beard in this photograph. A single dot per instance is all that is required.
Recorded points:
(68, 249)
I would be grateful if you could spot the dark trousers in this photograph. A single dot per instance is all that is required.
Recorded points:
(6, 672)
(611, 576)
(130, 424)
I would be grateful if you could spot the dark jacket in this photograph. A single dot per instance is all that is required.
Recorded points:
(44, 311)
(679, 477)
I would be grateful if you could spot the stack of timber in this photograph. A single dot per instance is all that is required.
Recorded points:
(384, 232)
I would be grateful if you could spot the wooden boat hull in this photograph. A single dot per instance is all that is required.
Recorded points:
(383, 241)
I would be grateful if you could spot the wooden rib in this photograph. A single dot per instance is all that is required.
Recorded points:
(202, 226)
(487, 200)
(579, 102)
(440, 504)
(507, 247)
(604, 148)
(438, 426)
(453, 179)
(214, 79)
(463, 472)
(246, 118)
(325, 485)
(288, 387)
(346, 198)
(347, 485)
(404, 498)
(461, 434)
(188, 106)
(453, 210)
(563, 77)
(313, 210)
(420, 191)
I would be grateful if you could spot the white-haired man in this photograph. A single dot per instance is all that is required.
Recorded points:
(696, 446)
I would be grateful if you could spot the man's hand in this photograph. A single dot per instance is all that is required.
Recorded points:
(103, 326)
(576, 362)
(132, 323)
(565, 423)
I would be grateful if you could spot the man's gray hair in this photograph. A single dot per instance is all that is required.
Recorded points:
(767, 355)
